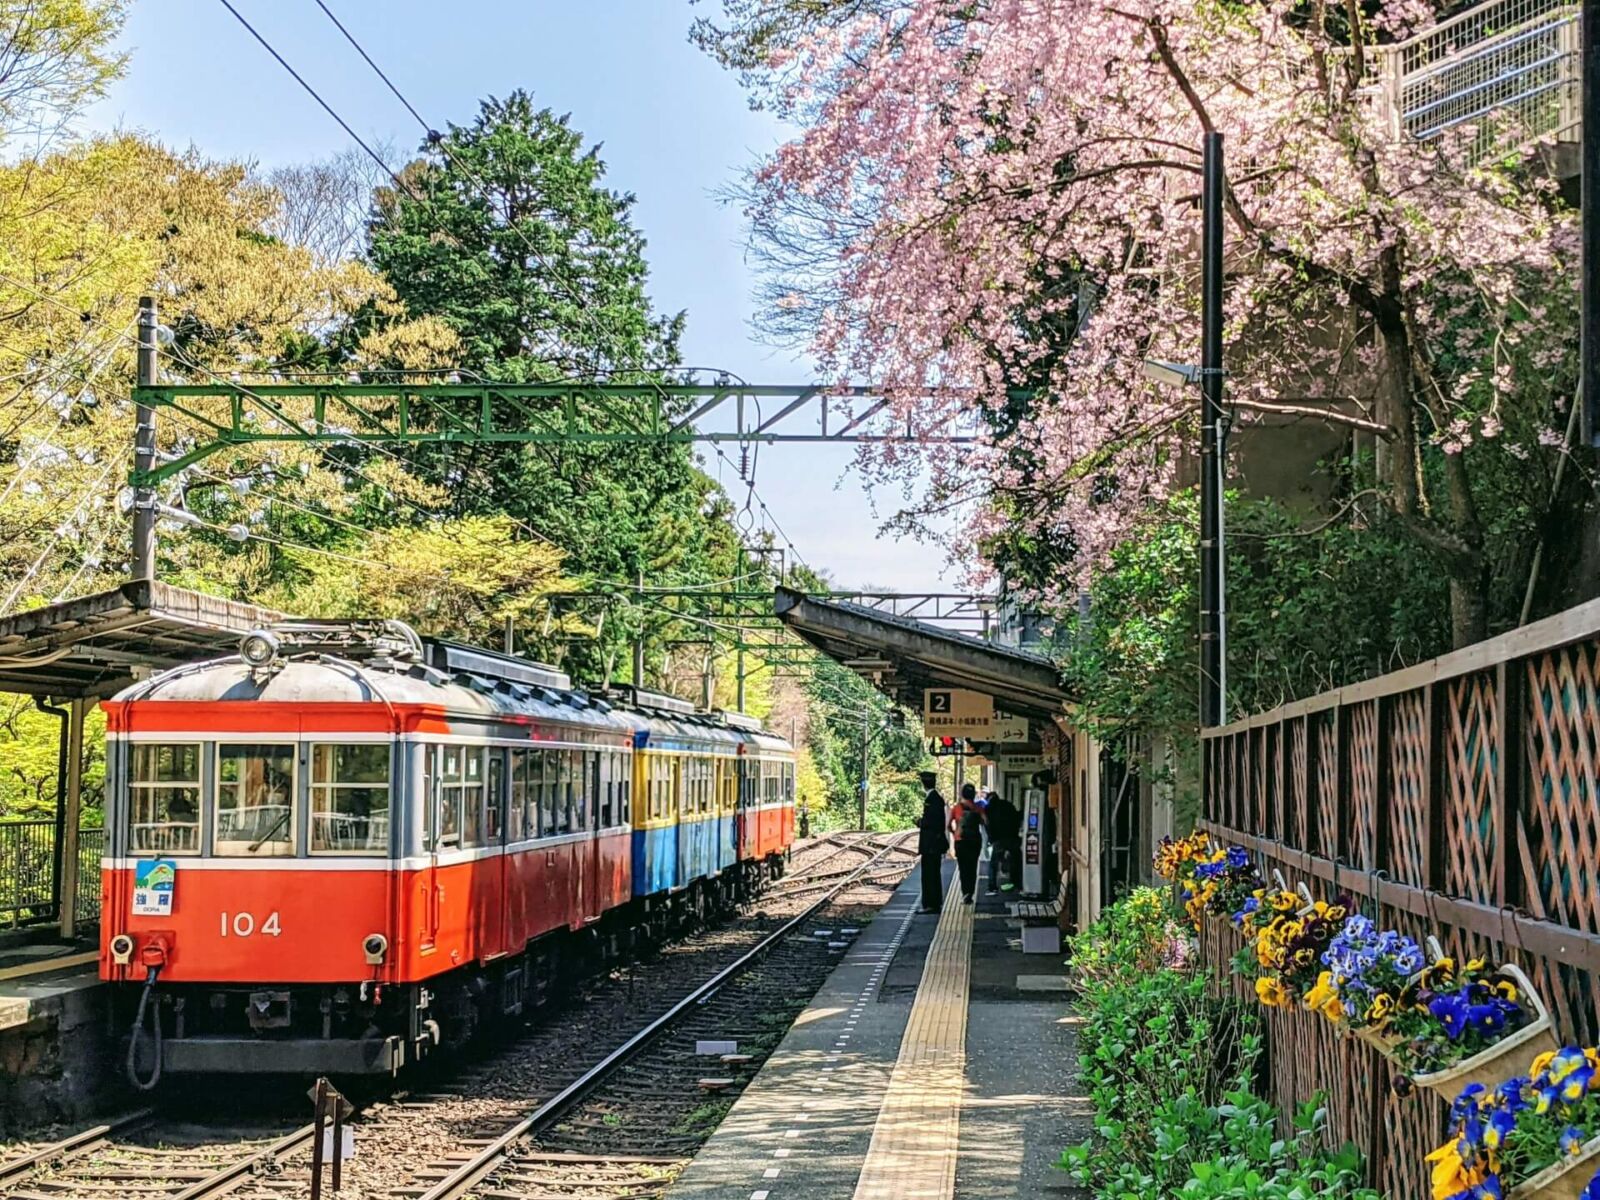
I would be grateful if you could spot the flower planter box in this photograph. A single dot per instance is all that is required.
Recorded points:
(1382, 1042)
(1505, 1058)
(1564, 1180)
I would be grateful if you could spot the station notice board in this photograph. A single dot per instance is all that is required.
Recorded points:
(957, 711)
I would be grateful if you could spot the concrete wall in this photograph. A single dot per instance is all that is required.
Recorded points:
(57, 1056)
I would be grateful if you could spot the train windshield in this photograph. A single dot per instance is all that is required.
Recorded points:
(255, 800)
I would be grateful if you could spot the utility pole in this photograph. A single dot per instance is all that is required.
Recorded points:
(738, 674)
(143, 559)
(638, 640)
(866, 745)
(1213, 586)
(1589, 179)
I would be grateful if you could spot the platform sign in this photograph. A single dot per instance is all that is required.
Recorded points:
(155, 883)
(1021, 764)
(958, 711)
(1009, 729)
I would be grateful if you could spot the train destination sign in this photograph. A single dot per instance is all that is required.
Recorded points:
(154, 881)
(959, 711)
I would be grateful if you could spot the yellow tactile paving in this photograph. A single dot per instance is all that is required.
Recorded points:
(913, 1150)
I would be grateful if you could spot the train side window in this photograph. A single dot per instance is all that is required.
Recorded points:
(255, 800)
(563, 791)
(451, 781)
(605, 793)
(580, 789)
(517, 797)
(625, 787)
(165, 782)
(494, 797)
(350, 798)
(472, 796)
(547, 793)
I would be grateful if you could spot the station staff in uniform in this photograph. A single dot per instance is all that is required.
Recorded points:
(931, 843)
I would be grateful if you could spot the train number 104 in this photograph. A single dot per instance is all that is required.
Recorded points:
(243, 924)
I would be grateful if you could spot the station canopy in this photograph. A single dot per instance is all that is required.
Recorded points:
(95, 645)
(902, 656)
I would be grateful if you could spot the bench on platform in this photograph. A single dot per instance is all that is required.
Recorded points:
(1042, 910)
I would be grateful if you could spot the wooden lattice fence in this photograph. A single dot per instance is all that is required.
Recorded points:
(1460, 797)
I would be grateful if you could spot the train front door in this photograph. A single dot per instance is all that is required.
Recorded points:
(429, 894)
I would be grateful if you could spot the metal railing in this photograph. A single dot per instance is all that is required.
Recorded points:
(1509, 68)
(27, 872)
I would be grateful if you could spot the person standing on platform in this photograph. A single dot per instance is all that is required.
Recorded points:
(1004, 824)
(966, 821)
(932, 844)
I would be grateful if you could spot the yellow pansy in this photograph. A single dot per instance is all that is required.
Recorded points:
(1271, 992)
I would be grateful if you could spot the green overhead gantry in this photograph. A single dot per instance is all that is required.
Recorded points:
(228, 414)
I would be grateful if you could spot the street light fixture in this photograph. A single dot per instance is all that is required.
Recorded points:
(1169, 374)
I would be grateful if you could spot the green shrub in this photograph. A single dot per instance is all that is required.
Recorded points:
(1169, 1066)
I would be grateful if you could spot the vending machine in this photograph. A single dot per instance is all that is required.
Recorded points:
(1033, 847)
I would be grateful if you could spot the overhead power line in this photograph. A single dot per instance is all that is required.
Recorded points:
(315, 95)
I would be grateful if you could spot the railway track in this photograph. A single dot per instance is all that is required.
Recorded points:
(145, 1156)
(641, 1093)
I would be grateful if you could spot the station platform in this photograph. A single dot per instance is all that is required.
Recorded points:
(55, 1049)
(937, 1063)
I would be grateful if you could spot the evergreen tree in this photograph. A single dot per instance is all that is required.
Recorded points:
(506, 232)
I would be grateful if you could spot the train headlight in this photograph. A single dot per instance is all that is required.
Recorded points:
(374, 946)
(122, 949)
(258, 648)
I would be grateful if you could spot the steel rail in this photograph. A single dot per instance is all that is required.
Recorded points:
(13, 1168)
(226, 1179)
(490, 1158)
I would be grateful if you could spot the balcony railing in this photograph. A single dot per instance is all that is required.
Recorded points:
(1509, 68)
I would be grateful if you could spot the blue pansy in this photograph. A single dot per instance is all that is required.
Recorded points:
(1511, 1096)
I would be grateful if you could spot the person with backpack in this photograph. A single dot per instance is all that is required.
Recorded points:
(966, 820)
(932, 844)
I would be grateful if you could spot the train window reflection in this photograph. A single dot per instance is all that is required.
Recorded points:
(255, 800)
(472, 798)
(451, 780)
(350, 799)
(165, 782)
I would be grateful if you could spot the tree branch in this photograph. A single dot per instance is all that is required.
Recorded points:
(1386, 432)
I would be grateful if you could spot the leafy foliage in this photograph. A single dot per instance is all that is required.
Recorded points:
(1001, 197)
(1306, 611)
(506, 234)
(1169, 1066)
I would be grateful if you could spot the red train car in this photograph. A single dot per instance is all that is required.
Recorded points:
(345, 847)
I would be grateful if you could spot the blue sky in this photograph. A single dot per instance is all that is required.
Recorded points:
(673, 126)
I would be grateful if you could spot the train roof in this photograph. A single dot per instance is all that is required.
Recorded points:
(385, 662)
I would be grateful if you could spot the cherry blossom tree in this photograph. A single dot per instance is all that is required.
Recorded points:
(991, 208)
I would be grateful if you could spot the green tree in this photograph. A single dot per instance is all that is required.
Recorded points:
(506, 233)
